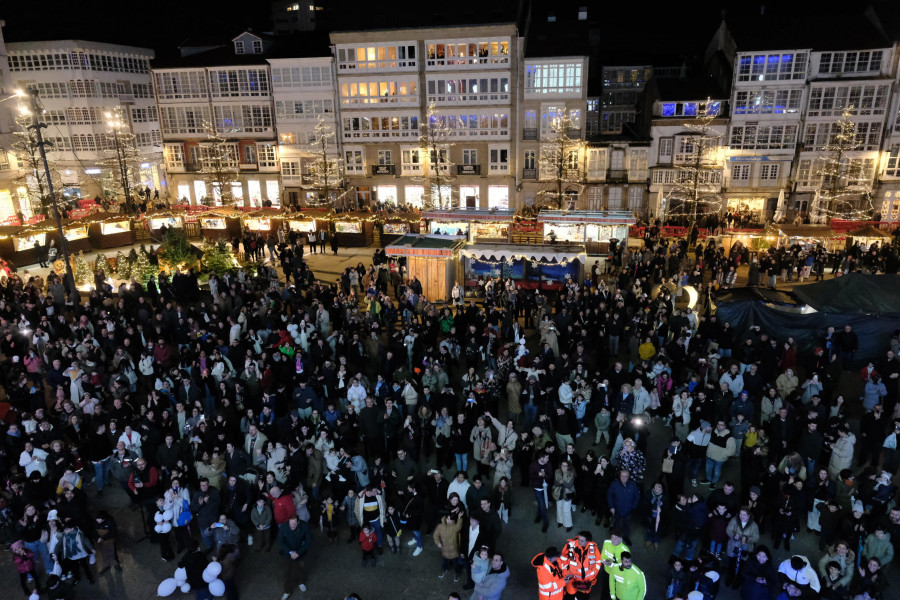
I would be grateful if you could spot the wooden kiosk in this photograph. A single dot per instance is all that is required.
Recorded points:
(433, 259)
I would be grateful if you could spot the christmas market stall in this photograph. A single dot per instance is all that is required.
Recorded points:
(109, 230)
(476, 225)
(76, 233)
(594, 229)
(433, 259)
(806, 236)
(866, 236)
(393, 226)
(158, 220)
(17, 244)
(220, 224)
(353, 229)
(305, 222)
(542, 266)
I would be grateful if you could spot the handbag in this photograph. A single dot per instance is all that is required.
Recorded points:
(668, 464)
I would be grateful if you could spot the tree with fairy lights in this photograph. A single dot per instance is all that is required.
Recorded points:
(435, 134)
(142, 270)
(123, 266)
(698, 168)
(845, 185)
(560, 164)
(122, 159)
(218, 164)
(102, 262)
(32, 175)
(83, 273)
(325, 173)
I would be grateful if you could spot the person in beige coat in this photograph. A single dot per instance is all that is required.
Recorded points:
(514, 398)
(446, 537)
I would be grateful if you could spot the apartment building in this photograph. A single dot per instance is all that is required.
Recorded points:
(554, 88)
(217, 98)
(887, 194)
(768, 98)
(303, 91)
(386, 81)
(686, 156)
(79, 84)
(11, 200)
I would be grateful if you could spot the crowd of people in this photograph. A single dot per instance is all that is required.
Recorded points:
(245, 417)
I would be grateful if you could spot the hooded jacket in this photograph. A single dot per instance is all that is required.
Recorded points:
(721, 445)
(551, 579)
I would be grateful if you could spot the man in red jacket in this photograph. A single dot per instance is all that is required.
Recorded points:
(282, 505)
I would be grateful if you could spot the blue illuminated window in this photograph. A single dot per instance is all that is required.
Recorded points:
(759, 59)
(713, 108)
(774, 58)
(668, 109)
(690, 109)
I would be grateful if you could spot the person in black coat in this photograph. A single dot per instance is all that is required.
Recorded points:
(759, 576)
(194, 562)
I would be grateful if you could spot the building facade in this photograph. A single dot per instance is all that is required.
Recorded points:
(214, 103)
(386, 82)
(80, 84)
(303, 90)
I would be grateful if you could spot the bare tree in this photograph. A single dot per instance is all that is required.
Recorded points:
(560, 165)
(845, 186)
(32, 175)
(698, 177)
(122, 160)
(434, 142)
(218, 164)
(325, 173)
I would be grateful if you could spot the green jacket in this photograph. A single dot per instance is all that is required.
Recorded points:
(627, 584)
(882, 549)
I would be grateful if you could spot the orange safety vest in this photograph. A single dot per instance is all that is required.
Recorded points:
(582, 563)
(551, 579)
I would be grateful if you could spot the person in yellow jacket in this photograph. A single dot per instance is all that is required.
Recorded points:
(626, 581)
(551, 578)
(581, 558)
(611, 555)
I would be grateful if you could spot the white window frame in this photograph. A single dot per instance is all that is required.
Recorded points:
(411, 160)
(354, 160)
(635, 198)
(499, 159)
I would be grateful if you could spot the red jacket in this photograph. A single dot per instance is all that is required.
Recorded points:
(24, 563)
(283, 508)
(149, 482)
(367, 542)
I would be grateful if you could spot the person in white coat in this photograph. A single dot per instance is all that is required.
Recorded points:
(132, 441)
(33, 460)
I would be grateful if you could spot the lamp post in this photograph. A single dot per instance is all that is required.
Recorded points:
(114, 120)
(37, 126)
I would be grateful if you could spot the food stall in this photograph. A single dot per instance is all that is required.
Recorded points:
(807, 236)
(434, 259)
(109, 230)
(476, 225)
(594, 229)
(264, 221)
(76, 233)
(866, 236)
(17, 244)
(531, 266)
(353, 229)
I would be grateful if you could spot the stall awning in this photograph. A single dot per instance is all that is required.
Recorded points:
(550, 253)
(587, 216)
(806, 231)
(424, 245)
(469, 215)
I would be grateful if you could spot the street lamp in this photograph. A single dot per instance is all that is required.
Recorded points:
(37, 127)
(114, 120)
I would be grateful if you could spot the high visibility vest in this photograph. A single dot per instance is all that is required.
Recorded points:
(582, 563)
(551, 579)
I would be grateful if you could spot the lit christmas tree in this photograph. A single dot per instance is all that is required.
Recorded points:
(102, 262)
(142, 270)
(123, 266)
(82, 270)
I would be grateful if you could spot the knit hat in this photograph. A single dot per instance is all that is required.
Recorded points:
(17, 546)
(705, 425)
(53, 515)
(755, 490)
(858, 506)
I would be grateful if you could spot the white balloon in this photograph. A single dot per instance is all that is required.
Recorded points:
(165, 528)
(217, 588)
(157, 528)
(34, 596)
(209, 577)
(214, 567)
(158, 518)
(167, 515)
(166, 588)
(180, 575)
(185, 588)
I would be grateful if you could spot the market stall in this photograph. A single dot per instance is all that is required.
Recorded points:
(264, 221)
(531, 266)
(353, 229)
(158, 220)
(476, 225)
(594, 229)
(76, 233)
(17, 244)
(220, 224)
(109, 230)
(396, 225)
(806, 236)
(866, 236)
(434, 259)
